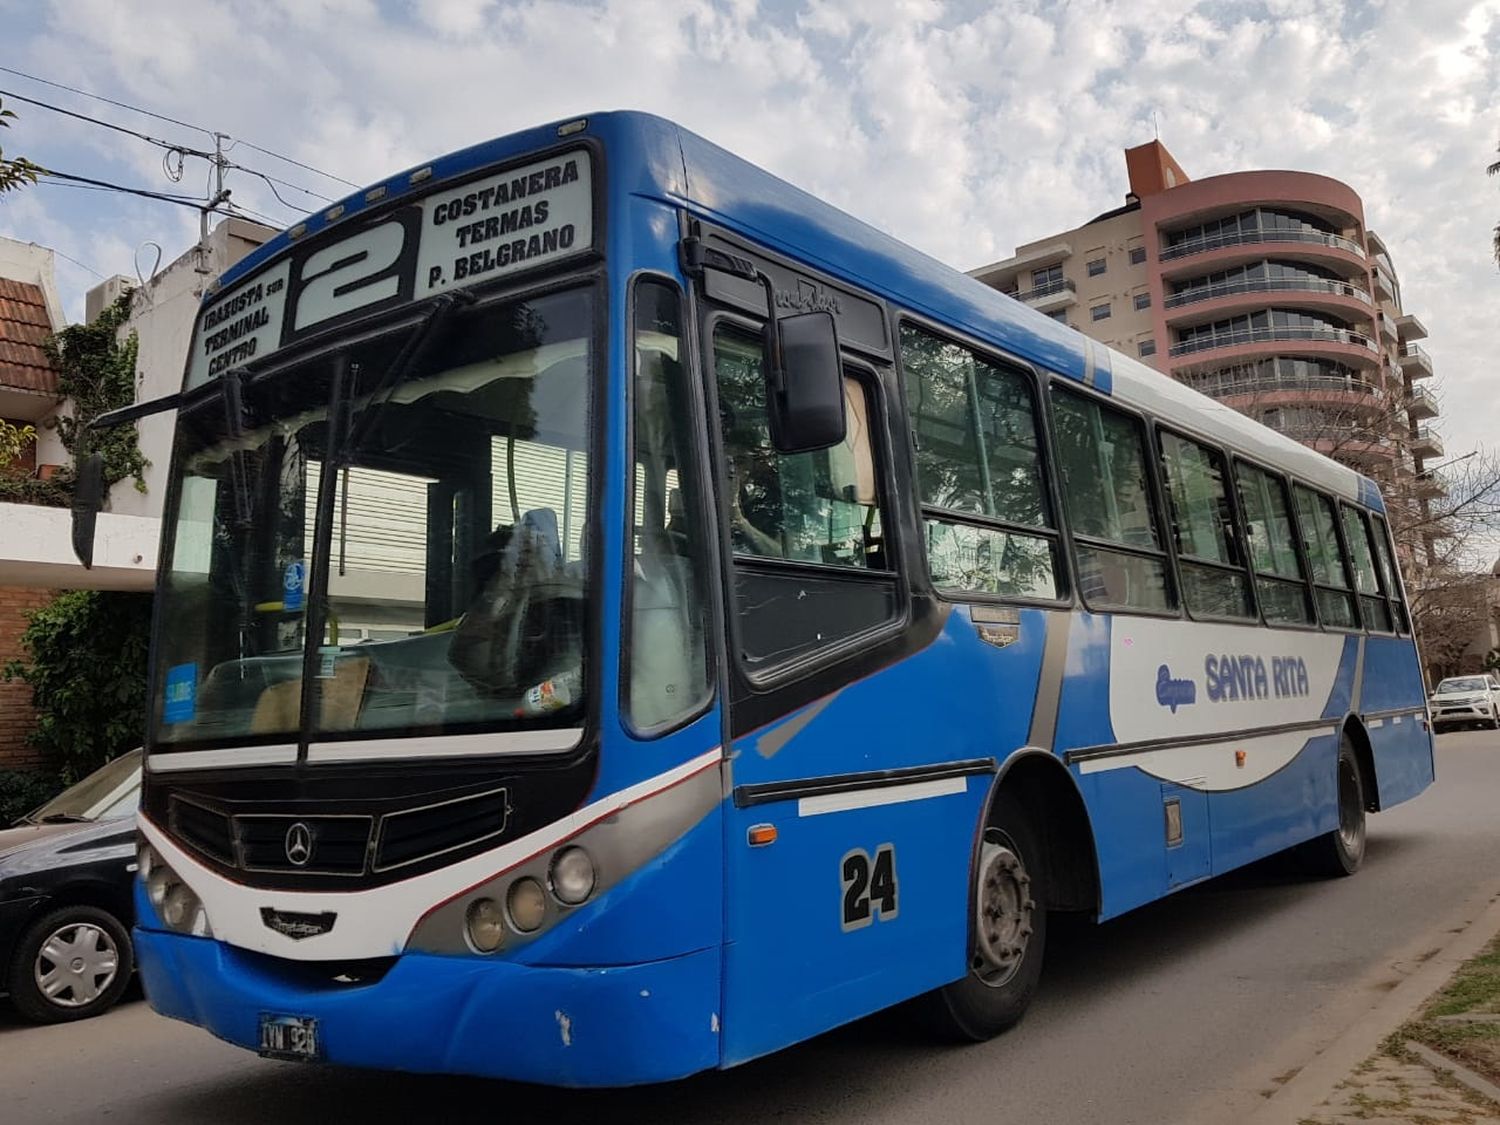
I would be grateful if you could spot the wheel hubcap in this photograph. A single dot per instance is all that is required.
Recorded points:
(76, 964)
(1003, 918)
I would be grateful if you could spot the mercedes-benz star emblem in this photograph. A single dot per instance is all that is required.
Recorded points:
(299, 844)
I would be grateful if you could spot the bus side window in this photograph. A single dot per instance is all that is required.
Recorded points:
(667, 647)
(986, 518)
(1210, 556)
(807, 530)
(1280, 579)
(1388, 574)
(1376, 611)
(1104, 472)
(1330, 573)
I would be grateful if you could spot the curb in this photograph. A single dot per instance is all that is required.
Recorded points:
(1442, 1064)
(1313, 1084)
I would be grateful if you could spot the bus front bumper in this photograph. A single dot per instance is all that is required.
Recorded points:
(612, 1026)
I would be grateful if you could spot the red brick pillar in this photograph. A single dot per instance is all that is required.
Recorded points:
(16, 715)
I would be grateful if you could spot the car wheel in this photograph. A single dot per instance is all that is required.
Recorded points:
(1341, 851)
(1009, 934)
(70, 964)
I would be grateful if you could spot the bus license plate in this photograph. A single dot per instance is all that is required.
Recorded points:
(289, 1037)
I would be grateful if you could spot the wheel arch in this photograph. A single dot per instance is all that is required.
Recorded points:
(1050, 794)
(1364, 754)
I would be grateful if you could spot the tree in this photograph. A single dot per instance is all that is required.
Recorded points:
(97, 374)
(1494, 170)
(16, 171)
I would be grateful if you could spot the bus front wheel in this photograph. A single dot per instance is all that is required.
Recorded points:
(1341, 851)
(1008, 933)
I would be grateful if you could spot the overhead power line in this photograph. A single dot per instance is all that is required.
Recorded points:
(174, 121)
(173, 147)
(181, 200)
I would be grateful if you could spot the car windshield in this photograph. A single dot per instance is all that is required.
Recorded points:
(1466, 683)
(113, 790)
(456, 577)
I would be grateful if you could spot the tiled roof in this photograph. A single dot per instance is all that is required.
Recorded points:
(24, 327)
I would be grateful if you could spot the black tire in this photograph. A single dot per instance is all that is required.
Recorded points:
(993, 995)
(1339, 853)
(92, 938)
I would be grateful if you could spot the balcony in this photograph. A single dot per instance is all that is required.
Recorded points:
(1411, 328)
(1426, 443)
(1388, 330)
(1253, 237)
(1004, 274)
(1415, 363)
(1421, 404)
(1247, 393)
(1274, 334)
(1364, 449)
(1385, 285)
(1430, 486)
(1268, 285)
(1050, 297)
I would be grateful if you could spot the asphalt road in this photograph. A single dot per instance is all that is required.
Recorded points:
(1188, 1010)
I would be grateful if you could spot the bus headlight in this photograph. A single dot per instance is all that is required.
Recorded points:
(527, 904)
(572, 876)
(179, 906)
(157, 885)
(485, 922)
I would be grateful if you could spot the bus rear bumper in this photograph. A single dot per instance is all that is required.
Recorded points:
(612, 1026)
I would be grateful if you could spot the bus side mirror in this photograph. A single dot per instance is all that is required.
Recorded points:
(806, 398)
(88, 499)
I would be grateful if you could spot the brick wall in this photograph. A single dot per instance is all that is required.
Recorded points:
(16, 715)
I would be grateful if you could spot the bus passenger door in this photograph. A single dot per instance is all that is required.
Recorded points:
(832, 905)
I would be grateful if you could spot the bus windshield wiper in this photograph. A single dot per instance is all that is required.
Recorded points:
(415, 347)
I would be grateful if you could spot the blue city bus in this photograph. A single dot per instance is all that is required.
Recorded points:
(748, 624)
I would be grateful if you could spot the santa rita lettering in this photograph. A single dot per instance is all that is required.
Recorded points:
(1231, 678)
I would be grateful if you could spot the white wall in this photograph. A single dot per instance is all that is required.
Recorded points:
(163, 313)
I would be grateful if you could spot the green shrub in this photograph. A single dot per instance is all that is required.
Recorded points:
(23, 790)
(87, 671)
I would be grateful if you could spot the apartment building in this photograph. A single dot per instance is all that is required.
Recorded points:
(1263, 289)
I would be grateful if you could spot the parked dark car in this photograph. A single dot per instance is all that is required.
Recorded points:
(65, 897)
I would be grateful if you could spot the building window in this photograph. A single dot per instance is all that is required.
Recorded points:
(1100, 312)
(1047, 276)
(1137, 255)
(1146, 347)
(1141, 301)
(1059, 315)
(1096, 266)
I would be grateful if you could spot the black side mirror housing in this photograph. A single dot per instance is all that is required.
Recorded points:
(806, 400)
(88, 501)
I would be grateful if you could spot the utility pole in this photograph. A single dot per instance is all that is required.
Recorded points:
(219, 162)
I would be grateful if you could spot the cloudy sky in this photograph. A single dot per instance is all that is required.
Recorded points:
(964, 128)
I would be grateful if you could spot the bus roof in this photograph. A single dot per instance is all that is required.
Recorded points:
(650, 156)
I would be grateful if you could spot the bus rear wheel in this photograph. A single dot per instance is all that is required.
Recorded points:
(1340, 852)
(1008, 934)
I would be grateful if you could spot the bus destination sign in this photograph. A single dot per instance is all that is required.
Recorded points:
(485, 229)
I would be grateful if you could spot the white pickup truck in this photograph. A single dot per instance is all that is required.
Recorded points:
(1463, 701)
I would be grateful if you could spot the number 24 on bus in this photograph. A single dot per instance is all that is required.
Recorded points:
(711, 621)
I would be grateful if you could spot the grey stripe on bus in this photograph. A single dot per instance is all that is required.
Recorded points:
(1049, 683)
(1088, 362)
(768, 744)
(619, 845)
(1359, 675)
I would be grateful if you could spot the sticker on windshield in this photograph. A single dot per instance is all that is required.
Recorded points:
(294, 586)
(180, 699)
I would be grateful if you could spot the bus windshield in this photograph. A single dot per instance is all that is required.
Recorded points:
(456, 587)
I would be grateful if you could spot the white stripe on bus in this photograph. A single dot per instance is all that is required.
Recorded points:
(278, 755)
(882, 795)
(447, 746)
